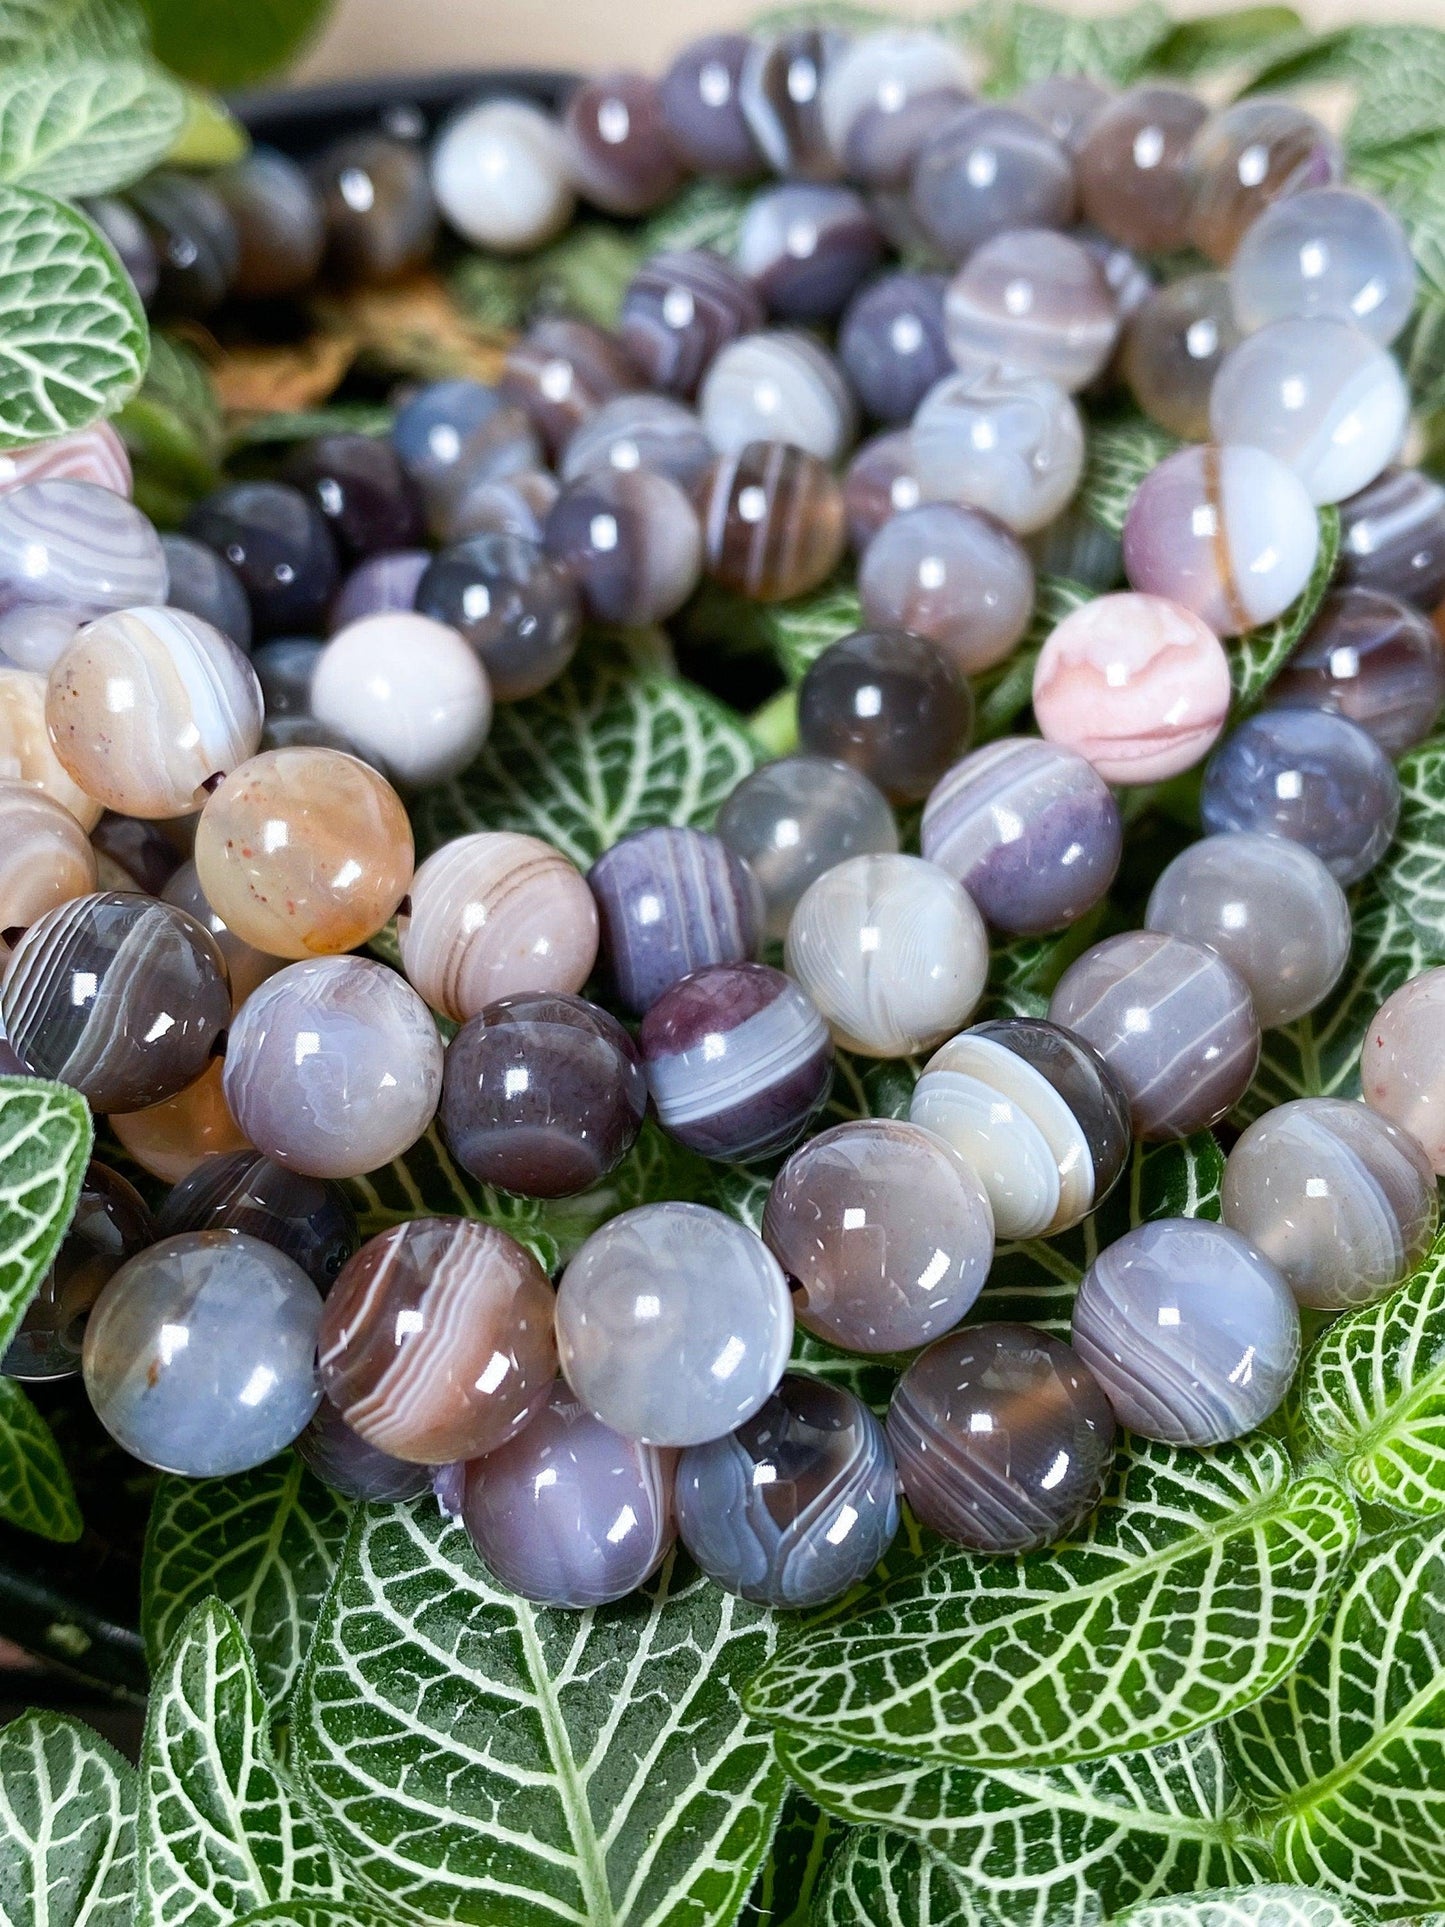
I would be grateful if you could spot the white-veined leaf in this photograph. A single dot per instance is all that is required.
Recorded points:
(1412, 875)
(67, 1826)
(86, 127)
(1119, 455)
(35, 1489)
(68, 29)
(1022, 42)
(1257, 657)
(45, 1138)
(788, 1880)
(879, 1879)
(1269, 1905)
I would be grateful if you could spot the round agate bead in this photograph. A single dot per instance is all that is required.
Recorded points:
(1322, 397)
(1373, 659)
(806, 246)
(26, 752)
(954, 575)
(343, 1460)
(204, 584)
(631, 542)
(500, 176)
(1134, 168)
(69, 550)
(542, 1094)
(1402, 1063)
(494, 914)
(569, 1513)
(378, 586)
(1174, 1023)
(132, 855)
(1269, 907)
(1342, 1201)
(1003, 1438)
(738, 1061)
(1036, 1112)
(1137, 684)
(1229, 533)
(436, 1340)
(669, 901)
(640, 431)
(128, 234)
(891, 950)
(673, 1324)
(1125, 275)
(1066, 104)
(1079, 548)
(986, 169)
(333, 1067)
(889, 704)
(46, 859)
(279, 224)
(796, 1505)
(559, 374)
(195, 244)
(381, 216)
(1036, 301)
(1191, 1331)
(95, 454)
(1248, 156)
(792, 820)
(781, 93)
(170, 1139)
(885, 1232)
(780, 386)
(454, 436)
(999, 440)
(518, 609)
(892, 344)
(110, 1226)
(1173, 348)
(360, 486)
(1333, 253)
(1030, 830)
(618, 149)
(119, 996)
(502, 505)
(700, 97)
(890, 72)
(1392, 538)
(773, 522)
(245, 966)
(408, 692)
(303, 852)
(1312, 777)
(680, 310)
(309, 1219)
(280, 546)
(879, 484)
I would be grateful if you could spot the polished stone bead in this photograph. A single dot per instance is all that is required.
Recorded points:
(1310, 776)
(631, 541)
(453, 437)
(806, 246)
(781, 93)
(559, 374)
(170, 1139)
(381, 217)
(679, 310)
(204, 584)
(640, 431)
(408, 692)
(128, 234)
(1137, 684)
(673, 1324)
(1402, 1063)
(891, 74)
(885, 1232)
(1373, 659)
(502, 505)
(1003, 1438)
(195, 238)
(46, 858)
(671, 900)
(1333, 253)
(1036, 301)
(279, 224)
(333, 1067)
(68, 551)
(111, 1225)
(1134, 177)
(618, 149)
(1126, 276)
(1321, 396)
(1229, 533)
(701, 100)
(381, 585)
(1036, 1113)
(343, 1460)
(1007, 442)
(1173, 348)
(542, 1094)
(280, 546)
(284, 668)
(1030, 830)
(245, 966)
(1066, 104)
(493, 914)
(794, 819)
(738, 1061)
(132, 855)
(890, 704)
(987, 169)
(518, 609)
(878, 484)
(1267, 906)
(1392, 538)
(954, 575)
(26, 753)
(436, 1340)
(569, 1513)
(1342, 1201)
(1248, 156)
(95, 454)
(309, 1219)
(781, 386)
(1079, 548)
(892, 344)
(773, 522)
(500, 175)
(360, 486)
(891, 950)
(1173, 1022)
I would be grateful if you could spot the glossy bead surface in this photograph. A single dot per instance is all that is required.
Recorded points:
(1173, 1022)
(517, 608)
(170, 1139)
(891, 950)
(1248, 156)
(806, 246)
(673, 1324)
(679, 310)
(26, 753)
(338, 873)
(1036, 1113)
(1269, 907)
(1080, 548)
(200, 1354)
(889, 704)
(570, 1513)
(630, 540)
(1173, 348)
(772, 521)
(111, 1224)
(408, 692)
(128, 234)
(279, 544)
(700, 97)
(245, 966)
(307, 1218)
(132, 855)
(516, 504)
(1009, 443)
(542, 1094)
(738, 1061)
(1342, 1201)
(986, 169)
(791, 820)
(892, 344)
(1003, 1438)
(781, 92)
(640, 431)
(617, 146)
(1333, 253)
(279, 224)
(1373, 659)
(45, 856)
(1029, 829)
(197, 247)
(204, 584)
(343, 1460)
(1134, 178)
(1036, 301)
(95, 454)
(494, 914)
(1402, 1063)
(359, 485)
(69, 550)
(499, 173)
(381, 217)
(889, 72)
(436, 1340)
(560, 373)
(879, 484)
(670, 901)
(1309, 776)
(777, 387)
(454, 436)
(1066, 104)
(954, 575)
(886, 1235)
(333, 1067)
(1392, 538)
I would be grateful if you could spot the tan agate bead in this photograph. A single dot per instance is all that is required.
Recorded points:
(169, 1140)
(25, 748)
(304, 852)
(45, 856)
(494, 914)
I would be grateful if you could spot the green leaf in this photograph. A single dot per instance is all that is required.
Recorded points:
(210, 135)
(1191, 1591)
(1271, 1905)
(265, 1543)
(1256, 658)
(603, 751)
(172, 430)
(1022, 974)
(1120, 454)
(1224, 39)
(36, 1493)
(585, 273)
(69, 29)
(1041, 1849)
(1395, 72)
(480, 1759)
(1346, 1758)
(304, 424)
(883, 1879)
(1412, 875)
(221, 1831)
(45, 1137)
(1005, 692)
(1022, 42)
(231, 43)
(318, 1913)
(87, 127)
(67, 1826)
(706, 214)
(804, 1843)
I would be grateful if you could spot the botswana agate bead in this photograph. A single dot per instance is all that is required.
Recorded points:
(952, 574)
(499, 172)
(680, 310)
(408, 692)
(45, 856)
(878, 484)
(111, 1224)
(204, 584)
(806, 247)
(889, 704)
(1402, 1062)
(780, 386)
(1372, 659)
(381, 218)
(987, 169)
(245, 966)
(279, 544)
(1133, 169)
(307, 1218)
(26, 752)
(891, 342)
(170, 1139)
(436, 1340)
(1036, 301)
(1003, 1438)
(1247, 156)
(1392, 538)
(616, 138)
(669, 901)
(702, 109)
(77, 550)
(519, 610)
(95, 454)
(640, 431)
(1331, 252)
(562, 371)
(773, 522)
(631, 540)
(1172, 350)
(343, 1460)
(781, 94)
(1001, 440)
(374, 587)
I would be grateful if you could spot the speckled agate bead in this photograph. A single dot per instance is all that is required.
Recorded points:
(1392, 538)
(1036, 301)
(1173, 1022)
(631, 541)
(780, 386)
(1342, 1201)
(381, 217)
(889, 704)
(806, 246)
(111, 1224)
(1192, 1333)
(245, 966)
(617, 145)
(68, 551)
(1333, 252)
(280, 546)
(679, 310)
(986, 169)
(1007, 442)
(1003, 1438)
(520, 610)
(773, 522)
(436, 1340)
(45, 856)
(1173, 348)
(95, 454)
(26, 753)
(673, 1324)
(499, 173)
(669, 901)
(307, 1218)
(1373, 659)
(954, 575)
(885, 1232)
(640, 431)
(409, 692)
(1402, 1063)
(560, 372)
(343, 1460)
(1247, 156)
(1134, 177)
(702, 108)
(170, 1139)
(878, 484)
